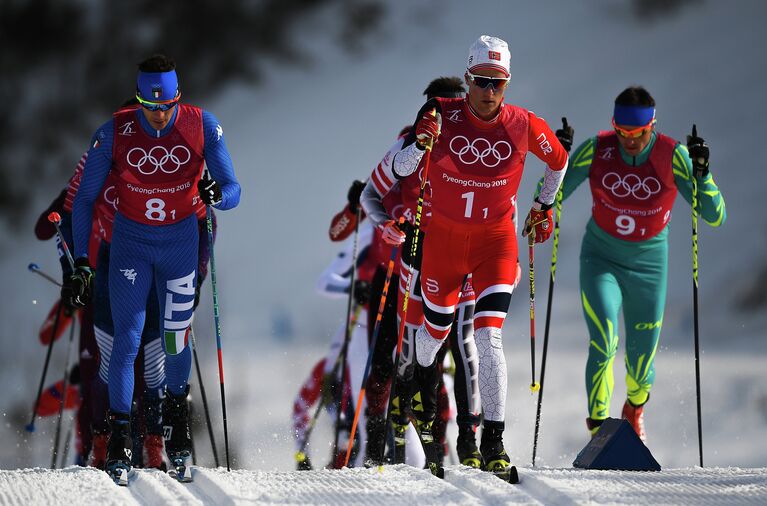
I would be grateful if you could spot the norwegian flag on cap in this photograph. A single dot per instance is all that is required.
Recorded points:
(490, 53)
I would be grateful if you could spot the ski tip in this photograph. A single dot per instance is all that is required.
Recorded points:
(182, 474)
(121, 477)
(33, 266)
(513, 475)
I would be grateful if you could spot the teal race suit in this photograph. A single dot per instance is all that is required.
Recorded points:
(624, 254)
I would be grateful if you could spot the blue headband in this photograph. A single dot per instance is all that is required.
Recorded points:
(633, 115)
(157, 86)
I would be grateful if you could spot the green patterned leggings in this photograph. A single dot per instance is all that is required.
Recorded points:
(617, 273)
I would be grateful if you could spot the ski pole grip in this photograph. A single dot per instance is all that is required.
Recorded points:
(54, 217)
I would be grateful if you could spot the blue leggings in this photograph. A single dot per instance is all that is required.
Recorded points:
(145, 257)
(154, 358)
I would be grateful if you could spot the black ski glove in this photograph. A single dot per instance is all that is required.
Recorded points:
(209, 189)
(698, 153)
(66, 295)
(355, 190)
(80, 283)
(565, 135)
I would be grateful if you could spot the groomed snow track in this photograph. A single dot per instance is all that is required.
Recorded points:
(401, 485)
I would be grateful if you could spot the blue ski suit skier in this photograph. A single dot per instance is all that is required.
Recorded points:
(157, 153)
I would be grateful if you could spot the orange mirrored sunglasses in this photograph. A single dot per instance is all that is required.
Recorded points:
(633, 133)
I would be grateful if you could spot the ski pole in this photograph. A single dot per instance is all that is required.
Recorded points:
(30, 427)
(204, 397)
(64, 388)
(33, 267)
(216, 313)
(348, 328)
(67, 438)
(369, 364)
(406, 297)
(534, 386)
(552, 277)
(695, 303)
(55, 218)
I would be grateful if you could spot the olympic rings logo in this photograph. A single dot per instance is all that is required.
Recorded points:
(631, 184)
(113, 199)
(158, 158)
(480, 149)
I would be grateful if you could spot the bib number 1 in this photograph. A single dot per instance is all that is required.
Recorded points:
(469, 196)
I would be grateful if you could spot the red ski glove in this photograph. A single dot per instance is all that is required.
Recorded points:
(50, 399)
(392, 234)
(539, 222)
(342, 225)
(427, 130)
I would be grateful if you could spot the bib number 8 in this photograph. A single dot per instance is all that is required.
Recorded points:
(155, 209)
(625, 224)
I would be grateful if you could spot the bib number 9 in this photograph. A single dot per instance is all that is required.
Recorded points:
(625, 224)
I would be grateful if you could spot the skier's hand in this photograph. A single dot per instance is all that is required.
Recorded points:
(66, 295)
(392, 233)
(80, 283)
(539, 223)
(698, 153)
(209, 189)
(565, 135)
(427, 130)
(355, 190)
(361, 292)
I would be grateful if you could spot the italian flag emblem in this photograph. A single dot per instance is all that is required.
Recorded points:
(176, 340)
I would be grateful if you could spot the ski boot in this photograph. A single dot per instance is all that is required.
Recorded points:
(302, 462)
(431, 448)
(153, 454)
(400, 442)
(119, 449)
(376, 434)
(99, 451)
(593, 426)
(399, 424)
(635, 416)
(496, 460)
(178, 437)
(466, 447)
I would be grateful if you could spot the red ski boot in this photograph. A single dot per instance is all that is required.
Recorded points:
(635, 416)
(153, 452)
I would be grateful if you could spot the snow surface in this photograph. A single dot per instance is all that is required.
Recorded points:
(569, 58)
(389, 485)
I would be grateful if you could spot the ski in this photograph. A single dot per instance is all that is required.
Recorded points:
(509, 475)
(121, 475)
(181, 469)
